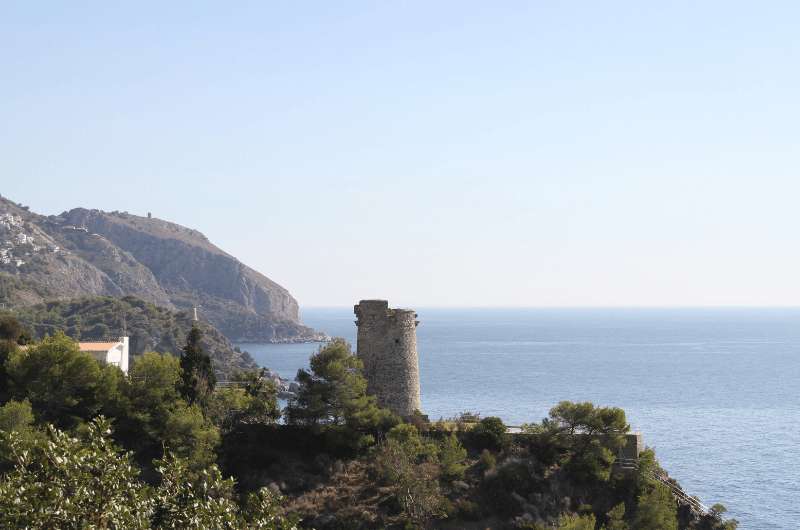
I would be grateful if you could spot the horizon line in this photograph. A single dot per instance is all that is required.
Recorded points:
(795, 306)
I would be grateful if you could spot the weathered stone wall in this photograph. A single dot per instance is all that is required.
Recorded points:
(387, 345)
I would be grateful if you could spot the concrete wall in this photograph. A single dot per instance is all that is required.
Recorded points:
(387, 345)
(634, 445)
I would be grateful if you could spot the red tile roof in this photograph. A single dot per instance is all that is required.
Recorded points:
(96, 346)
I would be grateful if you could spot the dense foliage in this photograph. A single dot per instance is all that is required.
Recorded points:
(197, 376)
(333, 397)
(82, 445)
(150, 327)
(66, 482)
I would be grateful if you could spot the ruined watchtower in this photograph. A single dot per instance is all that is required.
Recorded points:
(387, 344)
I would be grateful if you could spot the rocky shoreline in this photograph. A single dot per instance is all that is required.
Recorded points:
(287, 388)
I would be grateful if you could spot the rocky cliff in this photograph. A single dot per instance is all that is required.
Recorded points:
(90, 252)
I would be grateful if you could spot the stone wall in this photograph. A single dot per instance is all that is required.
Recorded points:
(387, 345)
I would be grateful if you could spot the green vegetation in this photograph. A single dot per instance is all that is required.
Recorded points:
(60, 481)
(197, 376)
(252, 401)
(333, 399)
(82, 445)
(452, 458)
(150, 328)
(64, 385)
(489, 433)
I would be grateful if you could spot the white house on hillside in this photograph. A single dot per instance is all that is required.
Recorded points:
(115, 353)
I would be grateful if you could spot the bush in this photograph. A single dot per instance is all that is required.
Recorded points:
(468, 510)
(16, 416)
(503, 487)
(490, 433)
(616, 518)
(487, 460)
(407, 463)
(253, 401)
(62, 482)
(12, 330)
(66, 482)
(656, 509)
(451, 458)
(403, 449)
(577, 522)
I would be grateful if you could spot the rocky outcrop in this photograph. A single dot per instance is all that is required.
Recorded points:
(90, 252)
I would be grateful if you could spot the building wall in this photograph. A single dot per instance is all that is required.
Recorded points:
(634, 445)
(117, 355)
(125, 353)
(387, 345)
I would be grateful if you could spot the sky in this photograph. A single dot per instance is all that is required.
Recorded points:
(448, 153)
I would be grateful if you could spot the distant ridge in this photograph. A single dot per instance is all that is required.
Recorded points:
(95, 253)
(150, 328)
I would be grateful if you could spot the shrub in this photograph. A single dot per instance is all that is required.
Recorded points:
(487, 460)
(12, 330)
(16, 416)
(468, 510)
(656, 509)
(577, 522)
(504, 487)
(408, 464)
(62, 482)
(616, 518)
(490, 433)
(66, 482)
(253, 401)
(451, 458)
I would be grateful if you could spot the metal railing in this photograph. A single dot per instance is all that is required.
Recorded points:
(677, 492)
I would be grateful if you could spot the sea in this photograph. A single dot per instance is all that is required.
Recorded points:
(716, 392)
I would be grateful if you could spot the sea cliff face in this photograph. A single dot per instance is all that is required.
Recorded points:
(91, 252)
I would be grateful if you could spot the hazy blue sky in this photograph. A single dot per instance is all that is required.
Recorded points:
(433, 153)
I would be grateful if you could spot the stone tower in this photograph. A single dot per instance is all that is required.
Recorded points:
(387, 345)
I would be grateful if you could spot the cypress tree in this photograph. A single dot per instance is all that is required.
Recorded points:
(197, 374)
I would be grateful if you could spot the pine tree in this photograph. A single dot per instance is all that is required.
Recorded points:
(197, 377)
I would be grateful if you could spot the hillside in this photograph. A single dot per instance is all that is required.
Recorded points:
(90, 252)
(151, 328)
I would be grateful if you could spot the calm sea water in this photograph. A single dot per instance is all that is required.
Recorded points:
(715, 392)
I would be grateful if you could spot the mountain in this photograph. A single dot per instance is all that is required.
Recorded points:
(150, 328)
(94, 253)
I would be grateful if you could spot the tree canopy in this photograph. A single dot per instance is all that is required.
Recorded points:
(197, 374)
(334, 393)
(64, 385)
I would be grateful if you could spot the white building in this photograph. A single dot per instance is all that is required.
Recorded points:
(115, 353)
(8, 220)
